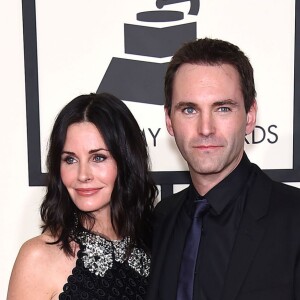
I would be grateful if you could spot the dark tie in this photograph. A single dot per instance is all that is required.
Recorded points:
(190, 251)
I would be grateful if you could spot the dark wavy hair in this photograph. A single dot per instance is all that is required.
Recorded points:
(134, 191)
(212, 52)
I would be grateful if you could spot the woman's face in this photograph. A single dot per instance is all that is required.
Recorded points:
(87, 168)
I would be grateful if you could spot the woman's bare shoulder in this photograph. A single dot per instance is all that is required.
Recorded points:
(38, 249)
(38, 269)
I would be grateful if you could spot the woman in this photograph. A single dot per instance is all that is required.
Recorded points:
(96, 212)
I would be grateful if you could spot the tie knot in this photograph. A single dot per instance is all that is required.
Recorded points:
(201, 207)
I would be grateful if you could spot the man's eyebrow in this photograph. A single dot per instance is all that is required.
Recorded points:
(183, 104)
(226, 102)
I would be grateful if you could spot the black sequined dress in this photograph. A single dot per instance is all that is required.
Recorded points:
(103, 272)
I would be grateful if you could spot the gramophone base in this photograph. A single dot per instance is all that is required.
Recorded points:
(134, 80)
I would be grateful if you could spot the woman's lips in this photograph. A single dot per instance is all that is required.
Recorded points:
(87, 191)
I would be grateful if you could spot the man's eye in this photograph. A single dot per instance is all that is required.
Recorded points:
(99, 158)
(224, 109)
(189, 110)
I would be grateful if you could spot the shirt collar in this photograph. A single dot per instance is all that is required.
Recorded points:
(226, 191)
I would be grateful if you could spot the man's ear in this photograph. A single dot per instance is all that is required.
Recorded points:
(251, 118)
(169, 122)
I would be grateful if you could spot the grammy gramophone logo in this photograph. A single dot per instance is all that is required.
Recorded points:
(141, 80)
(129, 79)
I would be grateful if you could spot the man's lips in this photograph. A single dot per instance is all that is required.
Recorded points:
(87, 191)
(207, 147)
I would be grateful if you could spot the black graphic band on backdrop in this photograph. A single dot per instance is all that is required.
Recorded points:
(165, 179)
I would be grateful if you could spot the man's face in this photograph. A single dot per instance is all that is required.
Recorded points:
(208, 119)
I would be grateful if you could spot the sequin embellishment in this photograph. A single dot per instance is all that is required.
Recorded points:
(100, 254)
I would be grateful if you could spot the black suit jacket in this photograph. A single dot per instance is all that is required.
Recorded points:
(265, 261)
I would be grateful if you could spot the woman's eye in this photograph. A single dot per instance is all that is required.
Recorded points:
(69, 160)
(189, 110)
(99, 158)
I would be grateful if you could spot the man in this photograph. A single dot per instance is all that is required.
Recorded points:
(250, 238)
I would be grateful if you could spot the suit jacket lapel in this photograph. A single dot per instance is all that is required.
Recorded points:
(172, 262)
(249, 236)
(163, 233)
(247, 241)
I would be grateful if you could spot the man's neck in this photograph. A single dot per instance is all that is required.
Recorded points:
(203, 183)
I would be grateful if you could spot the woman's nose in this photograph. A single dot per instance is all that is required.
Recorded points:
(85, 173)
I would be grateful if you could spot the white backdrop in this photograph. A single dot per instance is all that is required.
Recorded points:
(76, 41)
